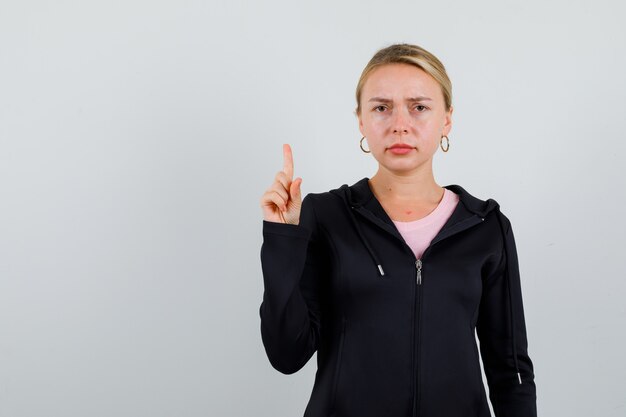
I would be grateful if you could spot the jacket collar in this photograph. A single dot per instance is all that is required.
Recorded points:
(360, 195)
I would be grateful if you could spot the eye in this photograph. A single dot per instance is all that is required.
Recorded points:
(419, 107)
(380, 108)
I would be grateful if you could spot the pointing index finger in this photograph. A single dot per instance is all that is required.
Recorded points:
(287, 161)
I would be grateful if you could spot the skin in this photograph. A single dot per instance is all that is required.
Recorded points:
(404, 184)
(282, 201)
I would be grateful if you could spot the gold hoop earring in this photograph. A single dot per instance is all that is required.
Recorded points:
(361, 145)
(447, 143)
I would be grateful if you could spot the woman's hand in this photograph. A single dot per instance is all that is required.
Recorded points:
(281, 202)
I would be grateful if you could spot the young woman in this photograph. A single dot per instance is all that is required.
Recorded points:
(391, 278)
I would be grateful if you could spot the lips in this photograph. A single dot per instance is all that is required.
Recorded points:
(401, 146)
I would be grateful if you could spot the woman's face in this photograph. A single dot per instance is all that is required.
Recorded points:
(403, 105)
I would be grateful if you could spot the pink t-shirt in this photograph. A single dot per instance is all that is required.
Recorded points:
(419, 233)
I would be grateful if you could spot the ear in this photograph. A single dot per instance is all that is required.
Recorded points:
(447, 125)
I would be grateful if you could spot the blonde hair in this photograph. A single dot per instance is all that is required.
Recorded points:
(408, 54)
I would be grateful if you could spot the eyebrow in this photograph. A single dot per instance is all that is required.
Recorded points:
(386, 100)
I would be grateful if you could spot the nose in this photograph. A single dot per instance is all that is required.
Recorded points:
(400, 123)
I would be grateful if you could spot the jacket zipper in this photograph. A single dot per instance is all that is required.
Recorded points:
(418, 266)
(451, 231)
(417, 308)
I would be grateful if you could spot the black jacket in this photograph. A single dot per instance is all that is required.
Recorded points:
(395, 335)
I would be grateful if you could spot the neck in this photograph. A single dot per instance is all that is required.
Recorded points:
(416, 186)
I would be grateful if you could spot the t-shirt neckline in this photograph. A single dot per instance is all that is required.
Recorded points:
(447, 195)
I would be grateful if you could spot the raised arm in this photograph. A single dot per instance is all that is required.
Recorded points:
(294, 267)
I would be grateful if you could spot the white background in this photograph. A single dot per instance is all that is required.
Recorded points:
(137, 137)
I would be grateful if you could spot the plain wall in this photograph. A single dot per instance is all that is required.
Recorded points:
(137, 137)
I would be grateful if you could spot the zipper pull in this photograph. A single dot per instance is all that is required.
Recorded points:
(418, 266)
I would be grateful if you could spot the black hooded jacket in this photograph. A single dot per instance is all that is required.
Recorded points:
(395, 335)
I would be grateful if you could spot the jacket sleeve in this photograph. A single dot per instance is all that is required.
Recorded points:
(501, 330)
(294, 265)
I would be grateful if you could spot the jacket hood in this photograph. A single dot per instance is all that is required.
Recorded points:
(359, 196)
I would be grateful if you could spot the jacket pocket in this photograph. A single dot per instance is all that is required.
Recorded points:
(337, 370)
(483, 407)
(476, 359)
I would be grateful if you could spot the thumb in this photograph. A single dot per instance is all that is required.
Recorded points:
(294, 189)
